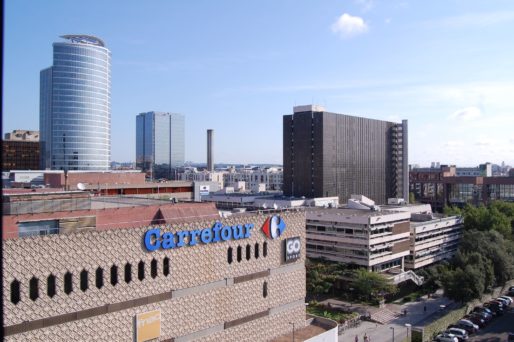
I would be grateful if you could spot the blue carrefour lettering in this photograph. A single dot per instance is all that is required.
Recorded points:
(155, 234)
(154, 240)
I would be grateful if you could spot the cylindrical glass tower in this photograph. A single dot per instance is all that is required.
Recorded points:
(75, 106)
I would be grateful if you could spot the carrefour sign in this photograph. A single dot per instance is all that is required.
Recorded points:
(155, 240)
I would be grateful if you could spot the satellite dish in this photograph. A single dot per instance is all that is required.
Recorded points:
(81, 186)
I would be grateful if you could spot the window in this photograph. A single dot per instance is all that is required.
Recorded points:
(114, 275)
(265, 289)
(68, 283)
(153, 268)
(166, 266)
(128, 272)
(229, 255)
(239, 253)
(99, 275)
(33, 288)
(256, 251)
(141, 270)
(83, 280)
(50, 286)
(265, 249)
(248, 252)
(15, 291)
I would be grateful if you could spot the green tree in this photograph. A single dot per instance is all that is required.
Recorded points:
(371, 285)
(463, 285)
(493, 246)
(321, 276)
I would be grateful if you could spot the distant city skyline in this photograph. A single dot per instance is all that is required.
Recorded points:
(446, 67)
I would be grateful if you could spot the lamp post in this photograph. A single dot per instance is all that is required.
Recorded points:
(293, 329)
(392, 328)
(407, 325)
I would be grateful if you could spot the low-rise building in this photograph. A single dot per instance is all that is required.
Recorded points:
(165, 272)
(21, 150)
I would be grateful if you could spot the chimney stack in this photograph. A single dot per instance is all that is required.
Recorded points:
(210, 160)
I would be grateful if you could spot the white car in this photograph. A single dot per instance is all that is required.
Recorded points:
(509, 299)
(446, 337)
(504, 301)
(461, 334)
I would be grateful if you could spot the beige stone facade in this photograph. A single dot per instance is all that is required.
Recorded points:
(203, 297)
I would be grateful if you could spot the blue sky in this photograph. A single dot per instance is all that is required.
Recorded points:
(238, 66)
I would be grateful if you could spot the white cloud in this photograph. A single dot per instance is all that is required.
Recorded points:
(453, 143)
(394, 118)
(348, 26)
(466, 114)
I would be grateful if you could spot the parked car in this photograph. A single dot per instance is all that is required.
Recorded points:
(476, 320)
(469, 323)
(486, 317)
(446, 337)
(511, 291)
(511, 337)
(469, 329)
(461, 334)
(487, 313)
(509, 299)
(504, 301)
(494, 307)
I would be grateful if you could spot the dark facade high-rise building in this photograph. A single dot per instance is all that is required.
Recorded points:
(160, 146)
(20, 150)
(329, 154)
(210, 160)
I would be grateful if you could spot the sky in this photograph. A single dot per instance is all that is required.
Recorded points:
(238, 66)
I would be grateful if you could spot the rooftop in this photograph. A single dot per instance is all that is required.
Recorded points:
(84, 39)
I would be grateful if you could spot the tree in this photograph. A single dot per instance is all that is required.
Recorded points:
(371, 285)
(321, 276)
(492, 246)
(463, 285)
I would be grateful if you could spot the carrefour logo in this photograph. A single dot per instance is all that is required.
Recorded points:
(154, 239)
(273, 227)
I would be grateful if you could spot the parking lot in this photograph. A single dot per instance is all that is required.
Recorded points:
(497, 330)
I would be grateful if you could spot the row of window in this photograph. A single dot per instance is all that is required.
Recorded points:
(51, 286)
(248, 252)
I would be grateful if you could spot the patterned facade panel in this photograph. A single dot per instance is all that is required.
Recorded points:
(190, 267)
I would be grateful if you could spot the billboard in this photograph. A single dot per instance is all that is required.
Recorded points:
(148, 325)
(292, 249)
(204, 190)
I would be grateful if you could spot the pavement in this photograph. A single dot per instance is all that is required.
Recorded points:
(394, 321)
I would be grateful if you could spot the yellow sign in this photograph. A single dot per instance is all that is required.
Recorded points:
(148, 325)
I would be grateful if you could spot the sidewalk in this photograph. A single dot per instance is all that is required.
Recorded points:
(384, 333)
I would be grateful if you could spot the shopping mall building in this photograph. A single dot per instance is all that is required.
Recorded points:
(171, 272)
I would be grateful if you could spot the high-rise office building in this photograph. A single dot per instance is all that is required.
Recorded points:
(328, 154)
(75, 106)
(160, 146)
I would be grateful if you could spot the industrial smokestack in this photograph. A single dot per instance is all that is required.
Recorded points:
(210, 160)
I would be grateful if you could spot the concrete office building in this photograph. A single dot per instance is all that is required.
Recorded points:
(442, 187)
(172, 272)
(160, 143)
(20, 150)
(388, 238)
(75, 106)
(328, 154)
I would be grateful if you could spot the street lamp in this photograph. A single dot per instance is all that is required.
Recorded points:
(407, 325)
(293, 329)
(392, 328)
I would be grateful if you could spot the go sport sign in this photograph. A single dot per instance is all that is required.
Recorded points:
(154, 239)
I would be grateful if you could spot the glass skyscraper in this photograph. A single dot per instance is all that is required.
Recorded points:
(75, 106)
(160, 147)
